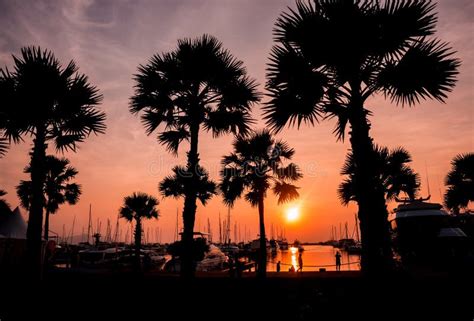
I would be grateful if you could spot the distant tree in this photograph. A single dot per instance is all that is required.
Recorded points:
(139, 206)
(43, 99)
(460, 183)
(393, 172)
(333, 55)
(254, 166)
(57, 190)
(200, 85)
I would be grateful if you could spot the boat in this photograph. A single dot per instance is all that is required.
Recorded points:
(283, 244)
(423, 231)
(229, 249)
(214, 259)
(99, 258)
(255, 245)
(274, 246)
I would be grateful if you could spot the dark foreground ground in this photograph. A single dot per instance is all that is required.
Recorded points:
(283, 296)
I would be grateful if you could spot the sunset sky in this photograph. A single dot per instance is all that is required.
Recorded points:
(109, 39)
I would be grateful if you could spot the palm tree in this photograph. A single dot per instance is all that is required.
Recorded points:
(198, 86)
(460, 183)
(58, 188)
(4, 206)
(50, 103)
(139, 206)
(254, 166)
(175, 185)
(331, 56)
(393, 172)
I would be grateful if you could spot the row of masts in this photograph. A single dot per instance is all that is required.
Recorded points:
(112, 234)
(229, 231)
(344, 231)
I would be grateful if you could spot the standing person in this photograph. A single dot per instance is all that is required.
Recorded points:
(338, 261)
(278, 266)
(300, 263)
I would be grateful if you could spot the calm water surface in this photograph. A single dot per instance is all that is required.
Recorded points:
(314, 258)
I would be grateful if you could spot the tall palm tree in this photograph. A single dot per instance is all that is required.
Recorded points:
(58, 188)
(50, 103)
(139, 206)
(254, 166)
(331, 56)
(393, 172)
(460, 183)
(200, 85)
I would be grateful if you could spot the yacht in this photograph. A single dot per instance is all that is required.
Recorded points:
(423, 230)
(283, 244)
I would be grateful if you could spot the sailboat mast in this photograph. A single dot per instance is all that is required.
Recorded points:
(89, 226)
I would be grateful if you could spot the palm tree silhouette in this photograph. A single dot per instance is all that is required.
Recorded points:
(254, 166)
(175, 185)
(393, 172)
(139, 206)
(198, 86)
(4, 206)
(58, 188)
(50, 103)
(460, 183)
(331, 56)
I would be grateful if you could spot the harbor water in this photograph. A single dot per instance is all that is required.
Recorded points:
(314, 257)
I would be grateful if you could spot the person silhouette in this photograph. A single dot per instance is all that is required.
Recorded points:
(300, 263)
(278, 266)
(291, 269)
(338, 261)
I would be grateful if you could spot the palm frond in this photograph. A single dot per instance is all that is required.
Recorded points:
(172, 138)
(289, 173)
(3, 146)
(426, 70)
(346, 192)
(295, 89)
(285, 192)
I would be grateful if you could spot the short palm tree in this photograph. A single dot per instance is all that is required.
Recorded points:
(139, 206)
(460, 183)
(200, 85)
(50, 103)
(394, 174)
(331, 56)
(254, 166)
(58, 188)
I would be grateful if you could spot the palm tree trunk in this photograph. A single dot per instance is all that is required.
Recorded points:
(376, 247)
(46, 225)
(35, 218)
(262, 258)
(189, 211)
(138, 243)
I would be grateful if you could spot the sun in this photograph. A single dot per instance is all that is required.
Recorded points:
(292, 214)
